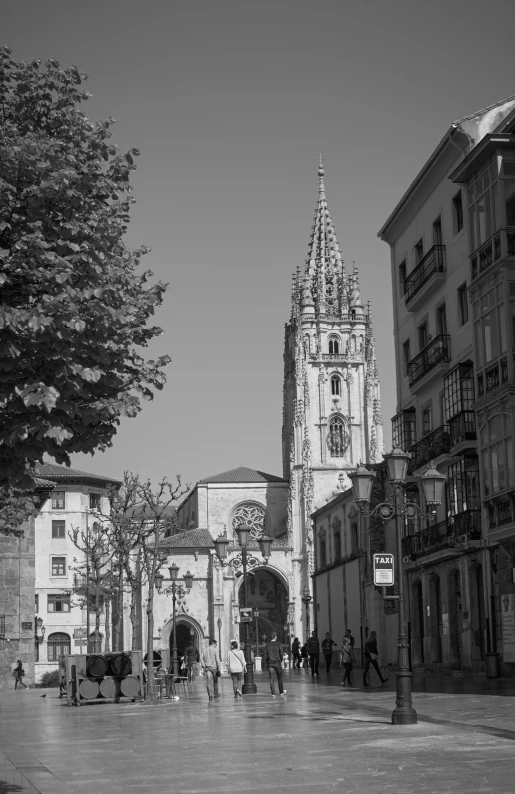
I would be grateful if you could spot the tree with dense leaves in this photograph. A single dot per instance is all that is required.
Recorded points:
(74, 305)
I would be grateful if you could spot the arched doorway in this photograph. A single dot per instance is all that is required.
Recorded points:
(455, 619)
(185, 634)
(268, 595)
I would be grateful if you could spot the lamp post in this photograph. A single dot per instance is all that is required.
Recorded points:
(222, 546)
(397, 507)
(306, 599)
(219, 624)
(174, 589)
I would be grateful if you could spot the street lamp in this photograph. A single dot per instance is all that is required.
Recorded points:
(306, 599)
(222, 547)
(219, 624)
(397, 507)
(174, 590)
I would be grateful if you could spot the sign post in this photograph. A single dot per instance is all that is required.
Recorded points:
(80, 638)
(245, 614)
(384, 570)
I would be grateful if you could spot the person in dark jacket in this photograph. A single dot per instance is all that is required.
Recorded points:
(191, 659)
(295, 652)
(371, 654)
(18, 674)
(313, 647)
(304, 656)
(349, 636)
(273, 660)
(327, 650)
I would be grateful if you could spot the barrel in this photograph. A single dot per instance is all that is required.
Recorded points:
(120, 664)
(129, 687)
(158, 661)
(109, 688)
(89, 689)
(96, 666)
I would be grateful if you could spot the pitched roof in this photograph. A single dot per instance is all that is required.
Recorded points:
(242, 474)
(53, 471)
(199, 538)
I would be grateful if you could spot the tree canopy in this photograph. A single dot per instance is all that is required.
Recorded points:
(74, 303)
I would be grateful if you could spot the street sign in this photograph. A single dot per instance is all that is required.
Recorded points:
(245, 614)
(78, 633)
(383, 570)
(80, 643)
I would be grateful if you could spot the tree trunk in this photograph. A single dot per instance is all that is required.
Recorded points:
(107, 648)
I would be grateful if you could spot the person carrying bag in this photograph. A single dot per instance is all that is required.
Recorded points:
(237, 666)
(371, 656)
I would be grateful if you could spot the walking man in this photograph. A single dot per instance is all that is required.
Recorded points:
(313, 648)
(18, 674)
(191, 657)
(211, 664)
(327, 650)
(350, 637)
(371, 654)
(295, 650)
(273, 658)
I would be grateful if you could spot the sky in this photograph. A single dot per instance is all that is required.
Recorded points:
(230, 103)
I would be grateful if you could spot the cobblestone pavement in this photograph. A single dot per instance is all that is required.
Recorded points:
(318, 736)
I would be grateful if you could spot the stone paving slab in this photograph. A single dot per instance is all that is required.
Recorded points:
(318, 736)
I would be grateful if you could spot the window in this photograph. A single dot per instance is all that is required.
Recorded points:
(322, 547)
(58, 529)
(497, 454)
(337, 545)
(509, 193)
(252, 515)
(58, 645)
(58, 602)
(404, 432)
(402, 276)
(463, 304)
(36, 603)
(334, 346)
(58, 566)
(58, 500)
(338, 438)
(483, 203)
(336, 385)
(441, 320)
(418, 252)
(95, 501)
(406, 355)
(489, 328)
(458, 390)
(437, 232)
(427, 420)
(353, 537)
(463, 486)
(422, 336)
(2, 625)
(457, 213)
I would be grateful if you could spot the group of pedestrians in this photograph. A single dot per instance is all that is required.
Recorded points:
(273, 661)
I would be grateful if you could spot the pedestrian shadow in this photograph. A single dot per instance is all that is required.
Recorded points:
(10, 788)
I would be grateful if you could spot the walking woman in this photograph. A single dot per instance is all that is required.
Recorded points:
(237, 666)
(348, 660)
(18, 674)
(371, 654)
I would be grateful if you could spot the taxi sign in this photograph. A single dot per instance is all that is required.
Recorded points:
(383, 569)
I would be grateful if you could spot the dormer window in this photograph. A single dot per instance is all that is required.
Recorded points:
(336, 386)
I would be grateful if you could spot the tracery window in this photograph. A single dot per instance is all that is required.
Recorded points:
(336, 385)
(334, 346)
(252, 515)
(337, 438)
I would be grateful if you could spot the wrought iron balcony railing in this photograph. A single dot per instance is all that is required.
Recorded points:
(79, 582)
(500, 246)
(462, 427)
(491, 377)
(501, 513)
(444, 535)
(467, 525)
(436, 443)
(436, 352)
(432, 262)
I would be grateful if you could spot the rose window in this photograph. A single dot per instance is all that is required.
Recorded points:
(250, 515)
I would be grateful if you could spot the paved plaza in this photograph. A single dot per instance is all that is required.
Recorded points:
(317, 737)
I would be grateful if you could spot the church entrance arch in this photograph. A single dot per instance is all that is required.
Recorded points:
(268, 597)
(187, 631)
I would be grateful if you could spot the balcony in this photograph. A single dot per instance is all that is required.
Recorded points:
(442, 538)
(429, 360)
(500, 513)
(431, 446)
(500, 246)
(79, 582)
(467, 526)
(462, 428)
(422, 281)
(492, 377)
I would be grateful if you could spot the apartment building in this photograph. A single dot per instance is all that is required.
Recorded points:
(451, 255)
(60, 591)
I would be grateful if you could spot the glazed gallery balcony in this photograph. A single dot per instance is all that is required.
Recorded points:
(430, 447)
(422, 281)
(492, 377)
(435, 356)
(444, 536)
(500, 246)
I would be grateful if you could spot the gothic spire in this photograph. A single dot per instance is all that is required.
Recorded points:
(325, 270)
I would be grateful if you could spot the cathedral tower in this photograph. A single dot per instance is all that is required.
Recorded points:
(331, 411)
